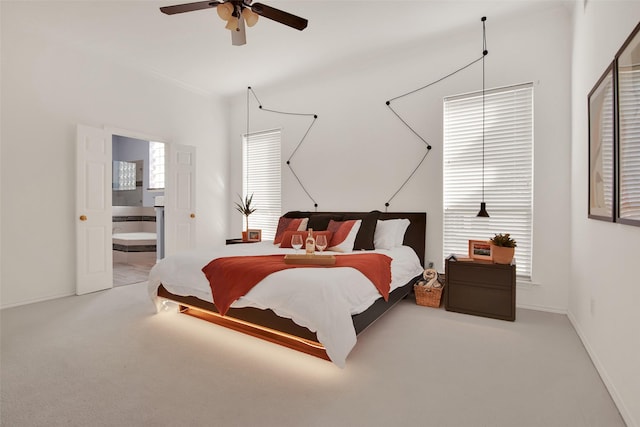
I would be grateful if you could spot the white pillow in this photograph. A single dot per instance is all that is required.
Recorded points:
(401, 229)
(384, 236)
(390, 233)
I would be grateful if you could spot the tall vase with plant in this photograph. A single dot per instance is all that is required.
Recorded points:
(503, 248)
(244, 207)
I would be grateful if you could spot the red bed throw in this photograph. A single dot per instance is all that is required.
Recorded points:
(232, 277)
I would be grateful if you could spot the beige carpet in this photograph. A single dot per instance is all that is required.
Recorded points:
(106, 359)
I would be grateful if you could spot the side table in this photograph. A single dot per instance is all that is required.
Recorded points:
(480, 288)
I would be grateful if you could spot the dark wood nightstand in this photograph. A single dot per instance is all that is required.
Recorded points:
(480, 288)
(237, 241)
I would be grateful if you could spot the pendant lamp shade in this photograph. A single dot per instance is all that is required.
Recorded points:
(483, 211)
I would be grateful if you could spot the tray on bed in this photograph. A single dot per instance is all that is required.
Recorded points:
(305, 259)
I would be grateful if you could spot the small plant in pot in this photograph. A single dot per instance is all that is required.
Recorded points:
(503, 248)
(244, 207)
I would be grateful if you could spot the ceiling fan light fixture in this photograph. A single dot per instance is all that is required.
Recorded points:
(250, 17)
(225, 10)
(232, 24)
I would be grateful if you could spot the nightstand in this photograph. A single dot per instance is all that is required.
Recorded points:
(237, 241)
(480, 288)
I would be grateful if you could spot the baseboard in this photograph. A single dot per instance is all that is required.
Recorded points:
(32, 301)
(555, 310)
(619, 402)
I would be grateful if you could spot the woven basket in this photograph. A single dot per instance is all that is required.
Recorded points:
(429, 297)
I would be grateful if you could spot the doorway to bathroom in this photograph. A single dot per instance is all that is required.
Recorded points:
(94, 205)
(137, 207)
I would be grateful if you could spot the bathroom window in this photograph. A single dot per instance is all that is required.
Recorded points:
(156, 165)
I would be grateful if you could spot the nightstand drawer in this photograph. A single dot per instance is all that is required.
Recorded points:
(487, 301)
(489, 274)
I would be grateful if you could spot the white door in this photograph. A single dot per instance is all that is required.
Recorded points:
(180, 200)
(94, 268)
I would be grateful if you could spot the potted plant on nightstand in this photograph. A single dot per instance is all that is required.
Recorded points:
(503, 248)
(244, 207)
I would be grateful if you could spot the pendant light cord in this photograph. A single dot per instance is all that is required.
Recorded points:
(288, 162)
(484, 53)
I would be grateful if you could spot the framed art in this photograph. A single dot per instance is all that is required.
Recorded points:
(480, 249)
(254, 235)
(627, 64)
(601, 147)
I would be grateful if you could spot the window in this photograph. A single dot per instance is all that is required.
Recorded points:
(262, 178)
(508, 170)
(156, 165)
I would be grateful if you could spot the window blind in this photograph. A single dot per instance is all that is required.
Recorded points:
(262, 178)
(629, 163)
(508, 170)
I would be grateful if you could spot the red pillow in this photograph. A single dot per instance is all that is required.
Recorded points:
(286, 238)
(291, 224)
(344, 234)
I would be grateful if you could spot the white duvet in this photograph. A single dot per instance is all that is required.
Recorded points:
(320, 299)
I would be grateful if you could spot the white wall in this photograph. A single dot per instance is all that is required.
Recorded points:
(358, 153)
(605, 289)
(48, 88)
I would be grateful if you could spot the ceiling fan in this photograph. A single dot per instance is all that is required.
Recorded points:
(237, 12)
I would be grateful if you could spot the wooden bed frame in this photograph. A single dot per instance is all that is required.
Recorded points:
(267, 325)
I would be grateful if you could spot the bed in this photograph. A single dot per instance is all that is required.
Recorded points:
(319, 311)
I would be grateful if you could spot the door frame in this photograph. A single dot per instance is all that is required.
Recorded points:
(109, 132)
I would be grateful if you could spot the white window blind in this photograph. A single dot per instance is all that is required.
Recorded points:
(628, 101)
(508, 170)
(262, 178)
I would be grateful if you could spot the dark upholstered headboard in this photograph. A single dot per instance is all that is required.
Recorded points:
(414, 237)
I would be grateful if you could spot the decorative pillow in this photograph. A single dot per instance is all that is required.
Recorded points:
(401, 229)
(364, 239)
(344, 234)
(289, 224)
(390, 233)
(286, 238)
(385, 234)
(321, 221)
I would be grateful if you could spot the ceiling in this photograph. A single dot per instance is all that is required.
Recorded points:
(194, 49)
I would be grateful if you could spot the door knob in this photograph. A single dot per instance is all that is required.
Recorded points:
(83, 217)
(192, 215)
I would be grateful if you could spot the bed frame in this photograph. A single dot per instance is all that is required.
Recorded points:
(265, 324)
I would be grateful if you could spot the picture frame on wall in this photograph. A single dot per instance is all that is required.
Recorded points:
(602, 137)
(627, 66)
(480, 250)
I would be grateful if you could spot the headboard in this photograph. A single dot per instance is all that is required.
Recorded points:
(414, 237)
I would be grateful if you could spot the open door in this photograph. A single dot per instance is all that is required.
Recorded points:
(94, 268)
(180, 209)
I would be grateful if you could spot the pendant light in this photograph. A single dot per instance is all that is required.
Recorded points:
(483, 206)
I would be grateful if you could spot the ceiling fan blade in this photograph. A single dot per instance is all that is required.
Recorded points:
(189, 7)
(279, 16)
(239, 36)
